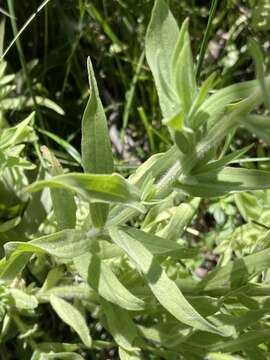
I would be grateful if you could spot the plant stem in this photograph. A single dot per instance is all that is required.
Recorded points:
(22, 60)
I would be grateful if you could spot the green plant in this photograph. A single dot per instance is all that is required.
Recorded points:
(112, 254)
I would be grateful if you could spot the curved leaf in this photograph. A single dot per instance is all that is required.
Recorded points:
(96, 148)
(102, 279)
(107, 188)
(163, 288)
(71, 316)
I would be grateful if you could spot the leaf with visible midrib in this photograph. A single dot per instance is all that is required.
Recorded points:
(105, 188)
(102, 279)
(164, 289)
(96, 148)
(71, 316)
(162, 34)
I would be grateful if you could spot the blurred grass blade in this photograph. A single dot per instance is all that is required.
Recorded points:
(28, 22)
(130, 93)
(206, 37)
(244, 341)
(96, 148)
(64, 144)
(257, 55)
(258, 125)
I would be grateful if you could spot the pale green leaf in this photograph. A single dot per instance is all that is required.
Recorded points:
(227, 180)
(63, 244)
(128, 355)
(220, 356)
(163, 288)
(63, 202)
(219, 164)
(23, 301)
(107, 188)
(71, 316)
(96, 148)
(180, 220)
(239, 270)
(102, 279)
(184, 76)
(158, 245)
(161, 37)
(11, 267)
(213, 108)
(120, 325)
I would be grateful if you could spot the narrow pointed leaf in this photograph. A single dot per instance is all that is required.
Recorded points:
(162, 33)
(239, 270)
(184, 75)
(71, 316)
(120, 325)
(102, 279)
(163, 288)
(66, 244)
(63, 202)
(107, 188)
(158, 245)
(225, 181)
(180, 220)
(96, 148)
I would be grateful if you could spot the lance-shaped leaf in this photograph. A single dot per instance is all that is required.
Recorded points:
(227, 180)
(214, 107)
(96, 148)
(16, 134)
(183, 71)
(237, 271)
(163, 288)
(92, 187)
(66, 244)
(158, 245)
(102, 279)
(245, 341)
(11, 267)
(71, 316)
(120, 325)
(180, 219)
(219, 164)
(161, 37)
(64, 205)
